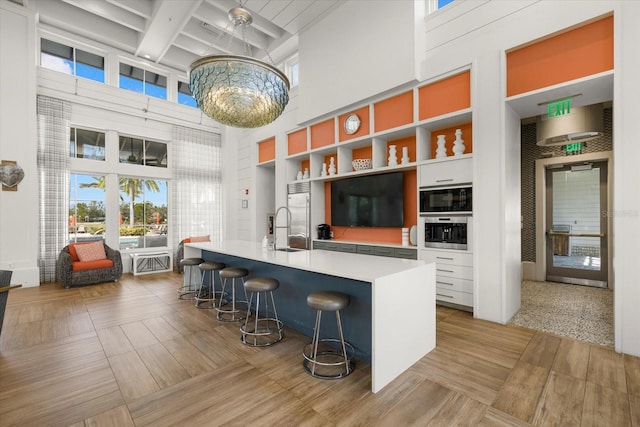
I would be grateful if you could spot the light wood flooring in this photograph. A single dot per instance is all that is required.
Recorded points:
(131, 354)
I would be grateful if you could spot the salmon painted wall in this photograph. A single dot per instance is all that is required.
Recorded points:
(323, 134)
(409, 142)
(393, 112)
(297, 141)
(363, 113)
(577, 53)
(267, 150)
(389, 235)
(445, 96)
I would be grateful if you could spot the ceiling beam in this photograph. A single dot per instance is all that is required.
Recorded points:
(169, 17)
(111, 12)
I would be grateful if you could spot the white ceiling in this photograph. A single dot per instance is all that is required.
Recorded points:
(174, 33)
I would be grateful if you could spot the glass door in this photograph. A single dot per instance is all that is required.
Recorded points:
(576, 244)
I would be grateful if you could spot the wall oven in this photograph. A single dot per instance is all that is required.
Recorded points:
(446, 232)
(439, 200)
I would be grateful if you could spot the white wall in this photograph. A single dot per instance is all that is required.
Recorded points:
(359, 50)
(19, 224)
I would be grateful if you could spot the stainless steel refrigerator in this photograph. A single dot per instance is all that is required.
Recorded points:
(298, 202)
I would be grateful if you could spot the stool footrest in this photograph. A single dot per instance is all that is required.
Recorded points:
(328, 359)
(231, 315)
(267, 326)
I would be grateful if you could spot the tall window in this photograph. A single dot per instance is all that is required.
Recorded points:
(86, 144)
(143, 213)
(143, 81)
(70, 60)
(291, 68)
(87, 208)
(143, 152)
(185, 96)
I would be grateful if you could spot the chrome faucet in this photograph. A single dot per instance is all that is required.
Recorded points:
(288, 226)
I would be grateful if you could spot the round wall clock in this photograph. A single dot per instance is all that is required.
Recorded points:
(351, 124)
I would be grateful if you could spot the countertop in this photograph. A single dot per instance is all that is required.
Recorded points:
(366, 268)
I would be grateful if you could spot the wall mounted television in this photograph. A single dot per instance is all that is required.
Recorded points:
(368, 201)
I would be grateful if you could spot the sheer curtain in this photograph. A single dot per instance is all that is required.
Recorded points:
(196, 185)
(53, 179)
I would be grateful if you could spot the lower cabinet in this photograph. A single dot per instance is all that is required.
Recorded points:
(388, 251)
(454, 277)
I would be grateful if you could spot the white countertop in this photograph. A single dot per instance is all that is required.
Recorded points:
(365, 268)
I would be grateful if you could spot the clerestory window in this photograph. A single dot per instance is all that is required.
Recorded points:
(69, 60)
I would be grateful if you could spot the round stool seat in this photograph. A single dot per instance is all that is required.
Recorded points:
(327, 301)
(261, 284)
(211, 265)
(233, 272)
(191, 261)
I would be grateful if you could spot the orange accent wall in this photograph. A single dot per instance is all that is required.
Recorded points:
(450, 136)
(361, 153)
(445, 96)
(323, 134)
(568, 56)
(409, 142)
(327, 160)
(304, 164)
(363, 113)
(393, 112)
(297, 141)
(267, 150)
(377, 234)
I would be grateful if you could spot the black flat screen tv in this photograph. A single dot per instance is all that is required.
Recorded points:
(368, 201)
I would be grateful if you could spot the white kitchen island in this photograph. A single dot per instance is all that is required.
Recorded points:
(393, 299)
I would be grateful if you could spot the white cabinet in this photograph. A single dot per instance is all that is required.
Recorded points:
(454, 276)
(447, 171)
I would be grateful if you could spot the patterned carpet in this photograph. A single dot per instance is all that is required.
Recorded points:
(581, 312)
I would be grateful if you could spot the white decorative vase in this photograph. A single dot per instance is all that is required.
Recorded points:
(305, 175)
(332, 166)
(393, 159)
(324, 170)
(441, 151)
(458, 144)
(405, 155)
(299, 176)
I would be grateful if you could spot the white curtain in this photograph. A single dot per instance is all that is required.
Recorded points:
(53, 179)
(196, 185)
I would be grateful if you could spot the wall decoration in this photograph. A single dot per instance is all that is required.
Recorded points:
(10, 175)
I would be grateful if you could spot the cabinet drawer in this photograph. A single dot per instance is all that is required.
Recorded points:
(457, 271)
(338, 247)
(382, 251)
(454, 283)
(454, 297)
(365, 250)
(447, 172)
(405, 253)
(443, 257)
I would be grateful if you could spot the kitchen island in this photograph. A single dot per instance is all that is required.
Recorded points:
(391, 316)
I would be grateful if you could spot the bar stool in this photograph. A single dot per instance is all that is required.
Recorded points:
(329, 362)
(189, 285)
(264, 330)
(206, 295)
(233, 313)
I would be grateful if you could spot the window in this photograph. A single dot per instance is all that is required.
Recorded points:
(86, 207)
(291, 67)
(86, 144)
(143, 213)
(184, 95)
(143, 152)
(143, 81)
(69, 60)
(433, 5)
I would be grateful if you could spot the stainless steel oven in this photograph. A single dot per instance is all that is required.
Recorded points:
(442, 200)
(446, 232)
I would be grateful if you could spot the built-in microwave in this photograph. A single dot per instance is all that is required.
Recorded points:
(446, 232)
(453, 199)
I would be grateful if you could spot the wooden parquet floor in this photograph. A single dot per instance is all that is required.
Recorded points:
(131, 354)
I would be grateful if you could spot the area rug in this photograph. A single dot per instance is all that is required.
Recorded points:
(581, 312)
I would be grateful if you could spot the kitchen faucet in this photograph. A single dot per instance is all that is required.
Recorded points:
(288, 226)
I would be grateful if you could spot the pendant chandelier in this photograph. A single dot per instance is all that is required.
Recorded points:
(236, 90)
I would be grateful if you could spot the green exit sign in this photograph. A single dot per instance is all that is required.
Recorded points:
(559, 108)
(572, 148)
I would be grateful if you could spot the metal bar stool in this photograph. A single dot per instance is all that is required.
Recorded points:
(206, 296)
(264, 330)
(330, 361)
(233, 313)
(189, 285)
